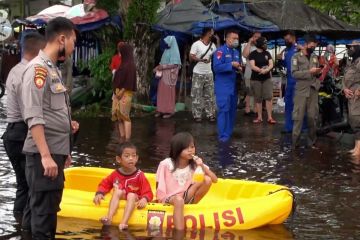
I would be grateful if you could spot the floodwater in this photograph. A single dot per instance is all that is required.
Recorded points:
(326, 180)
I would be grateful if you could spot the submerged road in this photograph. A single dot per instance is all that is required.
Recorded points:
(326, 180)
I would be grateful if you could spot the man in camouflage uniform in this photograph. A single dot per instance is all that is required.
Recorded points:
(351, 85)
(202, 90)
(305, 68)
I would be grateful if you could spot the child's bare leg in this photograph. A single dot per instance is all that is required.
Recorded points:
(127, 130)
(121, 129)
(199, 190)
(114, 204)
(129, 208)
(178, 203)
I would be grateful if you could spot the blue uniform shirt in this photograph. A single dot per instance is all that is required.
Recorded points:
(289, 53)
(225, 73)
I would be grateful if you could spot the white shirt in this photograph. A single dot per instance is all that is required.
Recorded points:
(248, 70)
(198, 49)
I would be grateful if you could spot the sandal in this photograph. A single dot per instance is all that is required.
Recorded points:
(212, 119)
(256, 121)
(271, 121)
(198, 120)
(167, 115)
(157, 114)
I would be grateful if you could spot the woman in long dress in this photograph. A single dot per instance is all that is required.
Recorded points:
(124, 86)
(168, 69)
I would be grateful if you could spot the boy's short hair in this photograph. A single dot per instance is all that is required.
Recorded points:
(120, 149)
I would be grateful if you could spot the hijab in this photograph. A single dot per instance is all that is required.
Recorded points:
(171, 54)
(125, 75)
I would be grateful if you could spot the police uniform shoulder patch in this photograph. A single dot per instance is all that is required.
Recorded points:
(40, 76)
(219, 54)
(315, 60)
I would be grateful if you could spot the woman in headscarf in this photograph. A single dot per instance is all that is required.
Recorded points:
(168, 70)
(352, 92)
(124, 85)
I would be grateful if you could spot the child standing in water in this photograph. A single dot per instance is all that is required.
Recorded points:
(174, 177)
(128, 182)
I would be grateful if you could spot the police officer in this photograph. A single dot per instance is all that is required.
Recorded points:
(47, 114)
(352, 92)
(16, 129)
(226, 62)
(305, 68)
(291, 49)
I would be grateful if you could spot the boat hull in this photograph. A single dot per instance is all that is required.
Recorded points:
(230, 204)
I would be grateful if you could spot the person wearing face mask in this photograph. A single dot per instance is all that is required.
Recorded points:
(261, 85)
(304, 69)
(290, 50)
(49, 140)
(351, 83)
(202, 88)
(226, 62)
(249, 48)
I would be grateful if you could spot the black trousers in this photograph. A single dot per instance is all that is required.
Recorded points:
(14, 138)
(44, 196)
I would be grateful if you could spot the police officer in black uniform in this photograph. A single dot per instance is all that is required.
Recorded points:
(16, 129)
(47, 114)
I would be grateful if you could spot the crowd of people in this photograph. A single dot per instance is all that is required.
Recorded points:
(39, 136)
(216, 69)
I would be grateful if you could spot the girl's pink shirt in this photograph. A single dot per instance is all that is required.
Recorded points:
(172, 183)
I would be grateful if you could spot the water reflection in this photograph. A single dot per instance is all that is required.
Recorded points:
(326, 180)
(79, 229)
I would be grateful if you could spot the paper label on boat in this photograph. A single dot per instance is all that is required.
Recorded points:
(155, 219)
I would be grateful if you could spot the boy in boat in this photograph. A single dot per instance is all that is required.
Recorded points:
(128, 182)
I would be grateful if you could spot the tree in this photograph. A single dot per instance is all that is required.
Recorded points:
(345, 10)
(140, 15)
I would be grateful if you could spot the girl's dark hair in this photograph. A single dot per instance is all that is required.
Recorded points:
(179, 142)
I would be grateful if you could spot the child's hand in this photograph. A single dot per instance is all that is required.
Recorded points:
(142, 203)
(198, 160)
(97, 199)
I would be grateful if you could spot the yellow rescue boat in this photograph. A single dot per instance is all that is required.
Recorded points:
(230, 204)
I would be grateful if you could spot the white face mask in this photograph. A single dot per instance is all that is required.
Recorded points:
(235, 43)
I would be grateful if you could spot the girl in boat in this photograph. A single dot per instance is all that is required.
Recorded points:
(183, 178)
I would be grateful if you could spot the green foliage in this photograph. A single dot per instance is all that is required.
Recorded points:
(345, 10)
(92, 111)
(111, 6)
(140, 12)
(101, 75)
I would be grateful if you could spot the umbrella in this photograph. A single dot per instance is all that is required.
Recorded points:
(181, 17)
(75, 11)
(296, 15)
(50, 13)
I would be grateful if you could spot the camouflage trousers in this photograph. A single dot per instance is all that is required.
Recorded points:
(202, 95)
